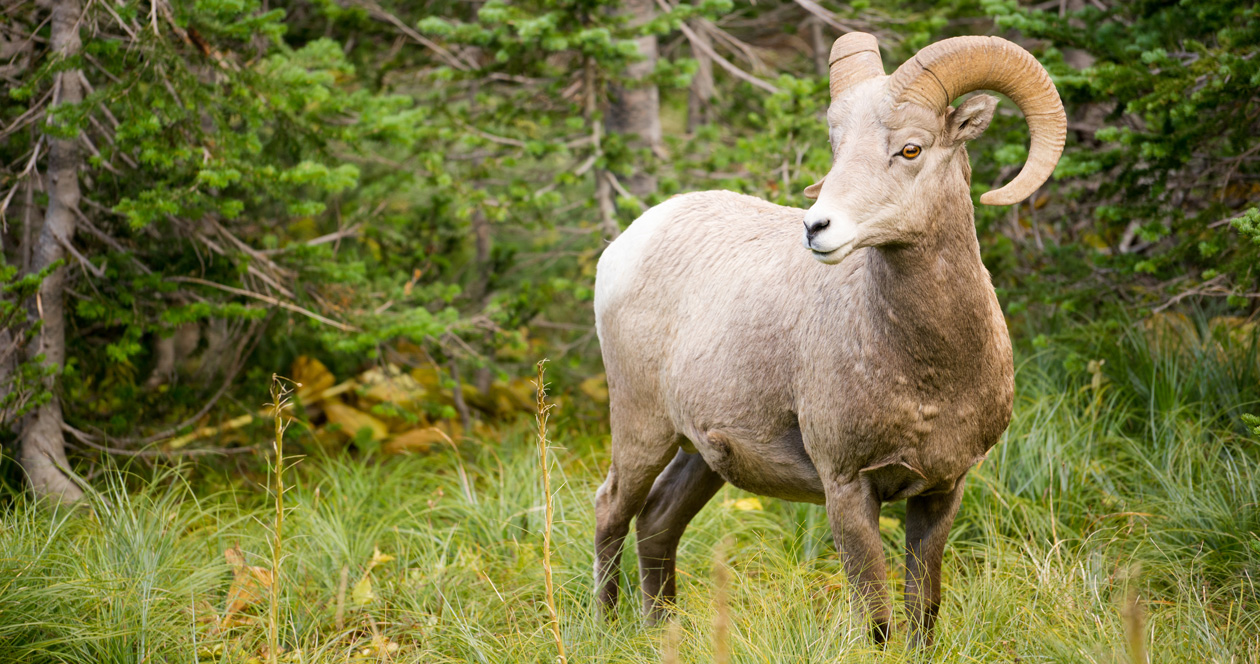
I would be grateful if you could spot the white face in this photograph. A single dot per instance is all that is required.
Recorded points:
(889, 167)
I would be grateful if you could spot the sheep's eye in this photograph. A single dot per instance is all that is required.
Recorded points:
(911, 151)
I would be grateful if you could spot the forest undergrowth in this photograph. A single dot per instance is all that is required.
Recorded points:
(1120, 510)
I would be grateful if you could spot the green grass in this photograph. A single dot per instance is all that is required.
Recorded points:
(1146, 484)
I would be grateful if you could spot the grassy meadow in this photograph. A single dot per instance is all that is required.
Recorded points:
(1121, 511)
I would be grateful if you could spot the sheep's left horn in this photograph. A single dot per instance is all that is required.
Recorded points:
(854, 58)
(948, 69)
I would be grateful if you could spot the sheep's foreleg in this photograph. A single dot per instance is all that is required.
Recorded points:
(853, 509)
(928, 520)
(678, 494)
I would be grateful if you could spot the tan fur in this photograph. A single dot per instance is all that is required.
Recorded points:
(895, 354)
(744, 358)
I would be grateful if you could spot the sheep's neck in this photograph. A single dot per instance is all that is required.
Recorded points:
(934, 299)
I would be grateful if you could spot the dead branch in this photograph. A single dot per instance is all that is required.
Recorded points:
(269, 300)
(86, 439)
(825, 15)
(349, 231)
(32, 114)
(30, 164)
(723, 62)
(86, 264)
(377, 12)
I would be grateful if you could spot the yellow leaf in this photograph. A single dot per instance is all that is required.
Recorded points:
(379, 558)
(249, 584)
(746, 504)
(391, 385)
(312, 375)
(362, 593)
(427, 377)
(595, 387)
(1095, 241)
(502, 399)
(352, 420)
(416, 441)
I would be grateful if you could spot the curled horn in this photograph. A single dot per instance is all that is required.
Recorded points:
(948, 69)
(854, 58)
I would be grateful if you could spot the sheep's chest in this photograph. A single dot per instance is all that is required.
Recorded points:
(915, 429)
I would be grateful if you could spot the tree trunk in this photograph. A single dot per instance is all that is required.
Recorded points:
(702, 86)
(43, 453)
(635, 104)
(603, 191)
(607, 208)
(822, 50)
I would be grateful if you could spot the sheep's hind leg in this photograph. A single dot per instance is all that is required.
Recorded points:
(638, 455)
(677, 496)
(928, 520)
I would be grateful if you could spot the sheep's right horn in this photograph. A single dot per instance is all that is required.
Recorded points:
(948, 69)
(854, 58)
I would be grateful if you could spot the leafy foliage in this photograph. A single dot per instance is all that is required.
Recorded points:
(1156, 193)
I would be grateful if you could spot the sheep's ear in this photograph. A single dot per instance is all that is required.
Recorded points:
(971, 118)
(812, 191)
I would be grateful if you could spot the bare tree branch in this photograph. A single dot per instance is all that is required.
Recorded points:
(269, 300)
(379, 13)
(723, 62)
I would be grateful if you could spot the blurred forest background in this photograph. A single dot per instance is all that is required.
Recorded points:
(197, 194)
(401, 204)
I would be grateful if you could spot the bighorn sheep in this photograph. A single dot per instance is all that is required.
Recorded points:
(874, 367)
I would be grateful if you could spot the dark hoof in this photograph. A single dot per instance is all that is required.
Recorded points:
(879, 633)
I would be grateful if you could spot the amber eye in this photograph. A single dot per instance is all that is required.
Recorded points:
(911, 151)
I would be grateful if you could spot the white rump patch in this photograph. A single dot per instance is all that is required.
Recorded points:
(618, 268)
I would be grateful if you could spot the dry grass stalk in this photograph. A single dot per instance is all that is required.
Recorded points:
(669, 648)
(542, 415)
(279, 402)
(722, 610)
(340, 616)
(1134, 618)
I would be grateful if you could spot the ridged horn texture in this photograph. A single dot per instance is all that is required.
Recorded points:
(854, 58)
(948, 69)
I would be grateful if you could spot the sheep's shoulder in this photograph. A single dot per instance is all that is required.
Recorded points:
(685, 233)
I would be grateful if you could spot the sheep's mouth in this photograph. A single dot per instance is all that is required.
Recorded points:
(839, 252)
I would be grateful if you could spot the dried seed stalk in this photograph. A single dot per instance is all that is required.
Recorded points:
(543, 411)
(279, 402)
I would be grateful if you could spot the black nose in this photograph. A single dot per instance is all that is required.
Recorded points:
(815, 228)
